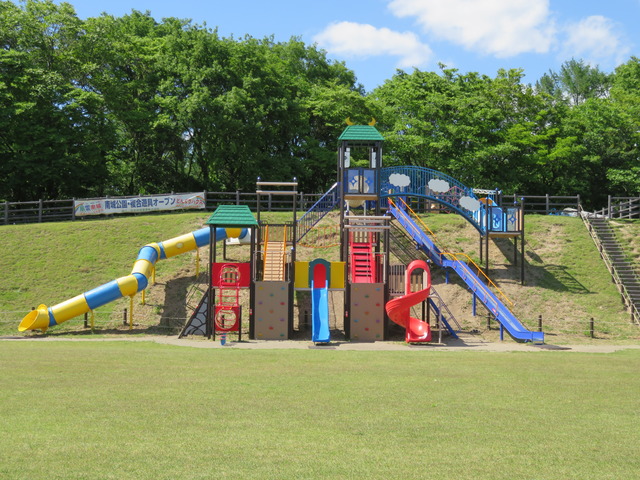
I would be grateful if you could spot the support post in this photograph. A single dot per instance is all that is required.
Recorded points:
(486, 254)
(546, 207)
(131, 312)
(522, 245)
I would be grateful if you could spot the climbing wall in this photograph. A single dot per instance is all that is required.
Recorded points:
(197, 324)
(367, 312)
(272, 307)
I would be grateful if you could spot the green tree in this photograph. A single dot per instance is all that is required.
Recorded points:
(575, 82)
(49, 146)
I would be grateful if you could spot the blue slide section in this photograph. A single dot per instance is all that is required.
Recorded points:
(320, 315)
(477, 286)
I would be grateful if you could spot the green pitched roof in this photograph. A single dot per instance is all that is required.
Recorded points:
(361, 133)
(232, 216)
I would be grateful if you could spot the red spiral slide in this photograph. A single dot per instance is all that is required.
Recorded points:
(399, 309)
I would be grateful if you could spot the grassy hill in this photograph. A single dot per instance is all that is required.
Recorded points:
(565, 280)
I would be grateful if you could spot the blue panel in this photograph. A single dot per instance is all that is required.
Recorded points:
(142, 281)
(52, 320)
(103, 294)
(320, 315)
(202, 236)
(148, 253)
(221, 234)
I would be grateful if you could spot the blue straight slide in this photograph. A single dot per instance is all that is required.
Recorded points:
(478, 287)
(320, 315)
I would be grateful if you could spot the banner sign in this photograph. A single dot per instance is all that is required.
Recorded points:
(152, 203)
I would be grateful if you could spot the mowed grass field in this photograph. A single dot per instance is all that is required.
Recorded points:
(138, 410)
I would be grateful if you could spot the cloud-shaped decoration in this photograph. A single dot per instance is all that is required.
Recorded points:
(469, 203)
(439, 186)
(399, 180)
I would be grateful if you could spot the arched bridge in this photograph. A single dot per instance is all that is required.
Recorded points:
(446, 190)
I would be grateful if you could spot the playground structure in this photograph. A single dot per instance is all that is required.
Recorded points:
(368, 197)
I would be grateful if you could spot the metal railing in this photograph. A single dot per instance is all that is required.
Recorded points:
(324, 205)
(626, 297)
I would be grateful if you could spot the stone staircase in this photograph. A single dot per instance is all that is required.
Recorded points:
(622, 271)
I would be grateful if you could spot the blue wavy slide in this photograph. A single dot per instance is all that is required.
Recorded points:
(502, 314)
(320, 315)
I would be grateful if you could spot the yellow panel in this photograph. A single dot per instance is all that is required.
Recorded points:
(156, 247)
(128, 285)
(178, 245)
(143, 267)
(302, 275)
(233, 232)
(337, 275)
(69, 309)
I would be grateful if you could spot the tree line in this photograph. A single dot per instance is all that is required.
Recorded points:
(132, 105)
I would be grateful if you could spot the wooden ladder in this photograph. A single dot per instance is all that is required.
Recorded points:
(274, 257)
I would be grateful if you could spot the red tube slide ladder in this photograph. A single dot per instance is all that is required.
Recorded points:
(363, 260)
(399, 309)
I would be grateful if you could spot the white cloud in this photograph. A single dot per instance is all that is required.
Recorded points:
(439, 186)
(469, 203)
(360, 40)
(595, 40)
(399, 180)
(503, 28)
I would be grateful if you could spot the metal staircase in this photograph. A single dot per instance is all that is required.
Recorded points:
(324, 205)
(622, 271)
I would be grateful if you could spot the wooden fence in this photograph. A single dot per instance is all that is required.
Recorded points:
(62, 210)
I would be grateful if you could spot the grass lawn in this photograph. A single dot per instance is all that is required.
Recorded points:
(137, 410)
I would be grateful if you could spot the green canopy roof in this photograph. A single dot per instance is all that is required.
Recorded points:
(232, 216)
(361, 133)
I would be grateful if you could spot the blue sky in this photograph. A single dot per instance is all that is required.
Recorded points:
(376, 37)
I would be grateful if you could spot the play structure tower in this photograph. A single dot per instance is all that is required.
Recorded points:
(227, 278)
(274, 274)
(364, 237)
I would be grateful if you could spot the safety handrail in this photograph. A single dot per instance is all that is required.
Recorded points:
(318, 210)
(265, 247)
(622, 288)
(480, 271)
(453, 255)
(284, 248)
